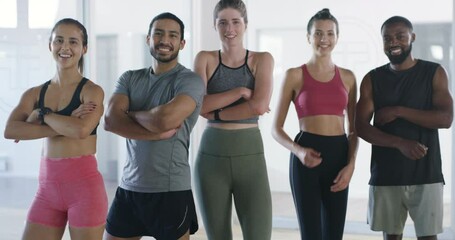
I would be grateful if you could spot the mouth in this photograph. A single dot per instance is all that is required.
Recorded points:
(395, 51)
(164, 49)
(65, 55)
(230, 36)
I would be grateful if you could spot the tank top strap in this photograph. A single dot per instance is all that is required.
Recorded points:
(246, 57)
(42, 93)
(219, 57)
(79, 87)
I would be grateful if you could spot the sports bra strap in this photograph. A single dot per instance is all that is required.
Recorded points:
(42, 93)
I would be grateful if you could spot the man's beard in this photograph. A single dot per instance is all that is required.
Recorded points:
(399, 59)
(162, 59)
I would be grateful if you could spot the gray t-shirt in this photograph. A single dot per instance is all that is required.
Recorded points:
(162, 165)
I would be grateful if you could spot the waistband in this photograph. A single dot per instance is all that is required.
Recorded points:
(67, 169)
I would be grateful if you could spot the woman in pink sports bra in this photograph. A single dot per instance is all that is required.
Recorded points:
(65, 112)
(322, 154)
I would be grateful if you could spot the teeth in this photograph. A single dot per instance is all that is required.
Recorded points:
(65, 55)
(164, 49)
(395, 51)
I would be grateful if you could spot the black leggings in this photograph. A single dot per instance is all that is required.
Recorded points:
(321, 212)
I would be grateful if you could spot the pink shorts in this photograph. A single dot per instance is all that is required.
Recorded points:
(70, 189)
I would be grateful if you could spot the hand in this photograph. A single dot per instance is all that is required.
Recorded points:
(84, 109)
(412, 149)
(343, 178)
(309, 157)
(34, 117)
(385, 115)
(245, 93)
(168, 134)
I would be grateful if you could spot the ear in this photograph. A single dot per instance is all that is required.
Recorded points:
(308, 38)
(147, 39)
(413, 37)
(182, 44)
(84, 49)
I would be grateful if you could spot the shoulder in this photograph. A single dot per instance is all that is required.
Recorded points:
(92, 89)
(206, 56)
(347, 75)
(260, 56)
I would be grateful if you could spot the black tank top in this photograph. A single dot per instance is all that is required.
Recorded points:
(412, 88)
(74, 103)
(226, 78)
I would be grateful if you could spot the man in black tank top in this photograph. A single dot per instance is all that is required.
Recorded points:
(410, 101)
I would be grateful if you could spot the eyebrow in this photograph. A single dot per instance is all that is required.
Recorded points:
(171, 31)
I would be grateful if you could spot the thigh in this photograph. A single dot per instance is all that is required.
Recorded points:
(47, 207)
(306, 190)
(35, 231)
(425, 205)
(386, 210)
(213, 184)
(87, 202)
(252, 196)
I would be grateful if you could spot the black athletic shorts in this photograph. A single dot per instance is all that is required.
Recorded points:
(164, 215)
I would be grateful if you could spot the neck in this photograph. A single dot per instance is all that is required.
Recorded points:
(67, 76)
(321, 63)
(407, 64)
(159, 67)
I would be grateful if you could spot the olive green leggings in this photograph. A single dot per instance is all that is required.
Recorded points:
(231, 166)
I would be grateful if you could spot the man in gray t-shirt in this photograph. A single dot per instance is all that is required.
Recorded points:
(155, 109)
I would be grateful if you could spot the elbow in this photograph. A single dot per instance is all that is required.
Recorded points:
(107, 124)
(82, 132)
(447, 121)
(259, 109)
(7, 134)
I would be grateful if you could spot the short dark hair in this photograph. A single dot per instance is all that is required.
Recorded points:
(397, 19)
(168, 15)
(324, 14)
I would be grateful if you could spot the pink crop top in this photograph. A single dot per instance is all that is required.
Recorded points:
(321, 98)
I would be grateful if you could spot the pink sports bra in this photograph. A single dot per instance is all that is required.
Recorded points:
(321, 98)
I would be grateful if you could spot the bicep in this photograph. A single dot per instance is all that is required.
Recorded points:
(200, 66)
(284, 101)
(25, 106)
(180, 107)
(94, 95)
(365, 105)
(442, 100)
(264, 79)
(117, 103)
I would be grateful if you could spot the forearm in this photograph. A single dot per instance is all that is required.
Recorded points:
(28, 131)
(156, 120)
(128, 128)
(377, 137)
(67, 126)
(353, 142)
(432, 119)
(220, 100)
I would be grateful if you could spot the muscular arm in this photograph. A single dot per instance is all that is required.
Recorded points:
(166, 117)
(80, 127)
(371, 134)
(440, 116)
(117, 121)
(18, 128)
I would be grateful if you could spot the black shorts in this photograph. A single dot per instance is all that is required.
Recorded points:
(164, 215)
